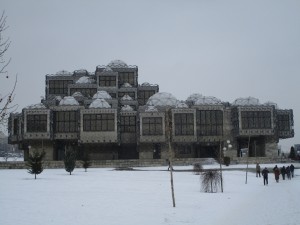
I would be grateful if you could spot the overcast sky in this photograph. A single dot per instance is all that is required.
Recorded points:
(227, 49)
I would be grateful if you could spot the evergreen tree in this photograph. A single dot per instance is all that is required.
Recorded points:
(86, 163)
(70, 160)
(292, 153)
(35, 163)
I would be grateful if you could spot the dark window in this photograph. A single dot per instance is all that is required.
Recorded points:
(86, 92)
(283, 122)
(59, 86)
(209, 122)
(256, 119)
(152, 126)
(144, 95)
(99, 122)
(16, 126)
(128, 124)
(107, 81)
(36, 123)
(184, 124)
(126, 77)
(131, 94)
(66, 122)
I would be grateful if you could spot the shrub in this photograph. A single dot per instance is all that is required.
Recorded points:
(70, 160)
(227, 160)
(197, 168)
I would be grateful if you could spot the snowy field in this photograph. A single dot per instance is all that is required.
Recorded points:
(110, 197)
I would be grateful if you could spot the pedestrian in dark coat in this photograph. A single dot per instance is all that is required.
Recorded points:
(257, 170)
(292, 168)
(283, 172)
(265, 173)
(276, 173)
(288, 172)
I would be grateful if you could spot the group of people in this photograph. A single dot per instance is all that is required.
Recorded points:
(288, 171)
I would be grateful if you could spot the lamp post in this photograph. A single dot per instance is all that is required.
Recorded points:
(226, 146)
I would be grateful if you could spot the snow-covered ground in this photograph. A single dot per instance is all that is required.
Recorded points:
(110, 197)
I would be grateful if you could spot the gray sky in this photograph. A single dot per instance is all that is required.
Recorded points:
(227, 49)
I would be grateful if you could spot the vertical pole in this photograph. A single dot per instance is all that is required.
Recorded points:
(221, 167)
(247, 158)
(170, 155)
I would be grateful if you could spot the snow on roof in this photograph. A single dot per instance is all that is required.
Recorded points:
(162, 99)
(126, 108)
(126, 97)
(151, 108)
(102, 94)
(77, 94)
(210, 100)
(246, 101)
(99, 103)
(181, 105)
(126, 85)
(84, 80)
(117, 64)
(68, 100)
(58, 98)
(36, 106)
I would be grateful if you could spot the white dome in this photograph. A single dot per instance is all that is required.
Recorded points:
(68, 100)
(208, 100)
(84, 80)
(162, 99)
(117, 64)
(107, 68)
(99, 103)
(77, 94)
(126, 108)
(126, 97)
(59, 98)
(146, 84)
(194, 97)
(151, 108)
(126, 85)
(246, 101)
(181, 105)
(102, 94)
(36, 106)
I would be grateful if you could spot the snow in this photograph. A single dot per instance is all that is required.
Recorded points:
(110, 197)
(126, 108)
(100, 103)
(246, 101)
(68, 100)
(102, 94)
(207, 100)
(36, 106)
(84, 80)
(126, 97)
(162, 99)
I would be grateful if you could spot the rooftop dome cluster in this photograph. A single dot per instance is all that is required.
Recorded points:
(162, 99)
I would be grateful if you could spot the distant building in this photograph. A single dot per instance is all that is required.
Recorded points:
(109, 115)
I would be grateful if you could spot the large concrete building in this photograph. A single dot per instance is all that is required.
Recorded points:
(109, 115)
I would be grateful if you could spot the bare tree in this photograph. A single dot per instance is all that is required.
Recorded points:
(6, 99)
(210, 180)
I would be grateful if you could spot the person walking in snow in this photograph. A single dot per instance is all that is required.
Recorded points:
(283, 172)
(276, 173)
(288, 172)
(257, 170)
(265, 173)
(292, 168)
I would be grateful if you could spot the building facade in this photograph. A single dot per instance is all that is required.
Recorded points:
(107, 114)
